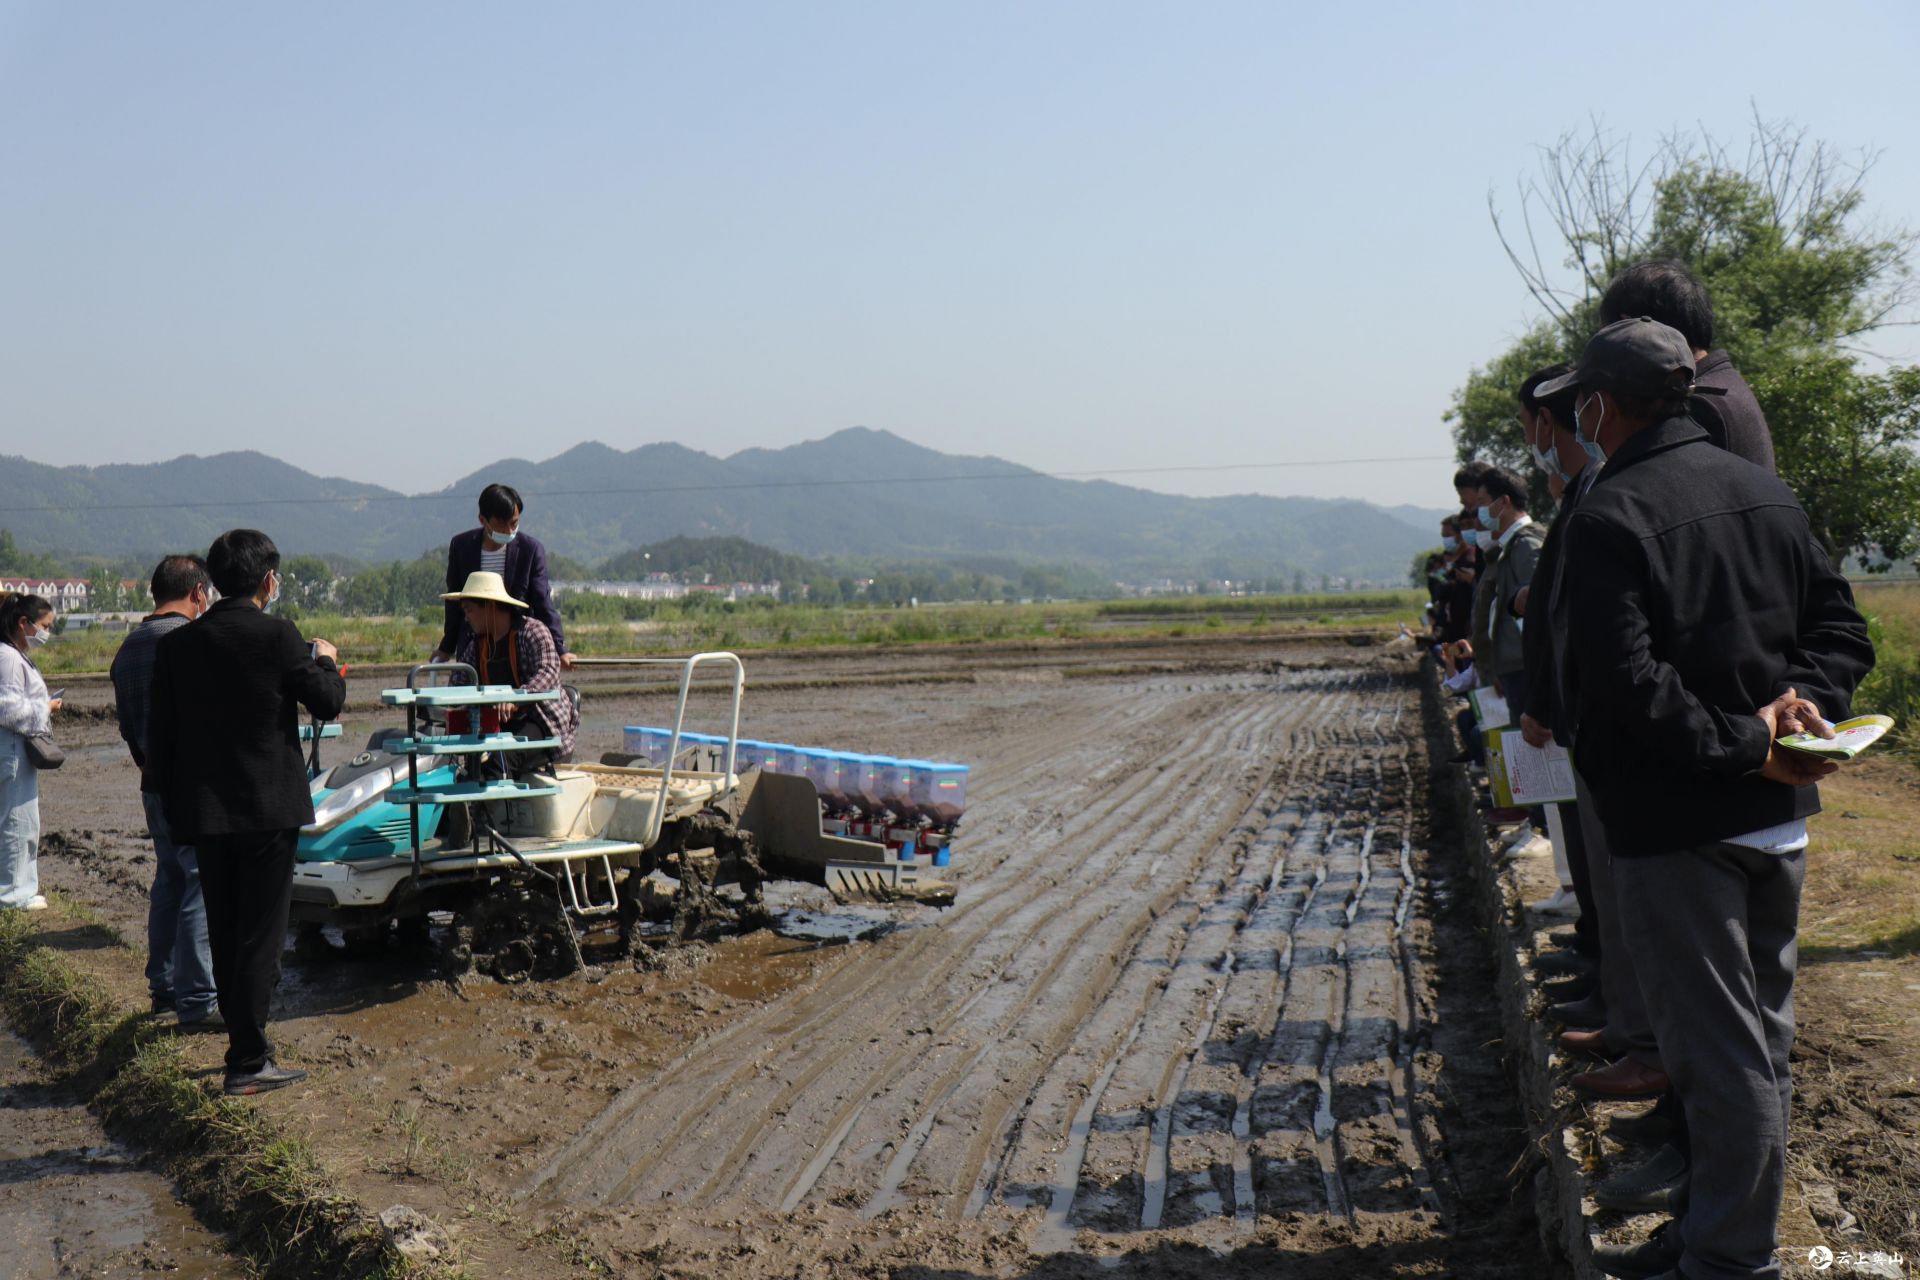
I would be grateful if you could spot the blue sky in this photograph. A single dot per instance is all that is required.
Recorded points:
(393, 241)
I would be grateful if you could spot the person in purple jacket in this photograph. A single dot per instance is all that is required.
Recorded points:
(499, 546)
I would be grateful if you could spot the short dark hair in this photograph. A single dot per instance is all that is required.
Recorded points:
(1503, 483)
(1559, 405)
(500, 502)
(1653, 408)
(240, 560)
(1528, 400)
(19, 605)
(175, 577)
(1471, 474)
(1663, 289)
(1448, 522)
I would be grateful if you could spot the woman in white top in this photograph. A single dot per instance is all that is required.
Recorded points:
(26, 622)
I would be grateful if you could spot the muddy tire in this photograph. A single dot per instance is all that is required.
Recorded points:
(516, 933)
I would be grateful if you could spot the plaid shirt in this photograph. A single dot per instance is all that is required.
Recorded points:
(539, 670)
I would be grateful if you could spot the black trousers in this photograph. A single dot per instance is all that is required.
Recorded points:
(246, 881)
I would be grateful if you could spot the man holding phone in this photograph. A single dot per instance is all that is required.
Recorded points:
(179, 964)
(224, 750)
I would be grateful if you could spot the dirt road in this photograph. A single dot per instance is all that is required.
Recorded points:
(1187, 1010)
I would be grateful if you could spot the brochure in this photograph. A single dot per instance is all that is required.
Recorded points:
(1528, 776)
(1850, 738)
(1490, 709)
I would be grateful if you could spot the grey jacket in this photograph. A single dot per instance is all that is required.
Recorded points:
(1512, 572)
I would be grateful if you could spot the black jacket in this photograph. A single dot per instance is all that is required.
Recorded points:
(1732, 420)
(1543, 624)
(526, 576)
(1696, 595)
(223, 737)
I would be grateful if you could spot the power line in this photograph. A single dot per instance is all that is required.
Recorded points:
(834, 482)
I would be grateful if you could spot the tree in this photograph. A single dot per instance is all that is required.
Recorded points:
(307, 585)
(1485, 412)
(1799, 281)
(25, 564)
(104, 593)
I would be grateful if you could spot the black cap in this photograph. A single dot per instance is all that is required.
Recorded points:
(1633, 357)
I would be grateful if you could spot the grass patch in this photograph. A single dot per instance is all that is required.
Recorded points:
(761, 624)
(265, 1188)
(1863, 870)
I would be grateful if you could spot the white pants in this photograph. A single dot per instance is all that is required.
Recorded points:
(19, 823)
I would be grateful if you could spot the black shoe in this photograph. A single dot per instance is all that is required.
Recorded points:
(1582, 1014)
(205, 1023)
(1643, 1130)
(271, 1076)
(161, 1003)
(1657, 1186)
(1566, 938)
(1568, 990)
(1655, 1256)
(1557, 964)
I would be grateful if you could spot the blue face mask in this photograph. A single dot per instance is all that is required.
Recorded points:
(502, 538)
(1450, 542)
(1549, 462)
(1483, 539)
(1595, 453)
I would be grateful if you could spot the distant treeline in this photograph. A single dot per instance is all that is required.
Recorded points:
(1194, 606)
(314, 584)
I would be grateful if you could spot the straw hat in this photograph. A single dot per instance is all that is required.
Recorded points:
(482, 585)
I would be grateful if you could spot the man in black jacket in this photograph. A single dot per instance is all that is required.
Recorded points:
(223, 751)
(1665, 289)
(1704, 623)
(499, 546)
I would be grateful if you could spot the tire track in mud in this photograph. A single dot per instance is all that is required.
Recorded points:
(1029, 965)
(1177, 1000)
(1138, 1150)
(684, 1102)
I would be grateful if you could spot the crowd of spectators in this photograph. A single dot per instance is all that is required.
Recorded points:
(1674, 619)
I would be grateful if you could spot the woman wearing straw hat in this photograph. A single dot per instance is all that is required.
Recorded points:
(507, 647)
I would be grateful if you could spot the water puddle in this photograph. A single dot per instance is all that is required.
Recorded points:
(849, 924)
(74, 1203)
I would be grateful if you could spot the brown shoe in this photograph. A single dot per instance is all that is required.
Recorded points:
(1624, 1079)
(1591, 1044)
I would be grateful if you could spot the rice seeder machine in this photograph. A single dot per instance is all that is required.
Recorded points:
(445, 817)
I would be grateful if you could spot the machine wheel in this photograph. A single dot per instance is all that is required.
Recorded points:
(517, 931)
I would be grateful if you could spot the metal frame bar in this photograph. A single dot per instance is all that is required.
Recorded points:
(687, 666)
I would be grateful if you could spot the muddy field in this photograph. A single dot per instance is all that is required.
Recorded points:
(1203, 1005)
(75, 1203)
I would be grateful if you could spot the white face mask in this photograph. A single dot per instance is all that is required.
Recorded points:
(37, 637)
(273, 598)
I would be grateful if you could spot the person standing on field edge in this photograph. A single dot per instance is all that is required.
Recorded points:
(179, 959)
(223, 750)
(499, 546)
(1704, 623)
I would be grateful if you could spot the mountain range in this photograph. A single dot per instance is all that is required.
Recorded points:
(859, 493)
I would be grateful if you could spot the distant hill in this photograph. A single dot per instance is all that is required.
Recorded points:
(1425, 519)
(857, 493)
(711, 559)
